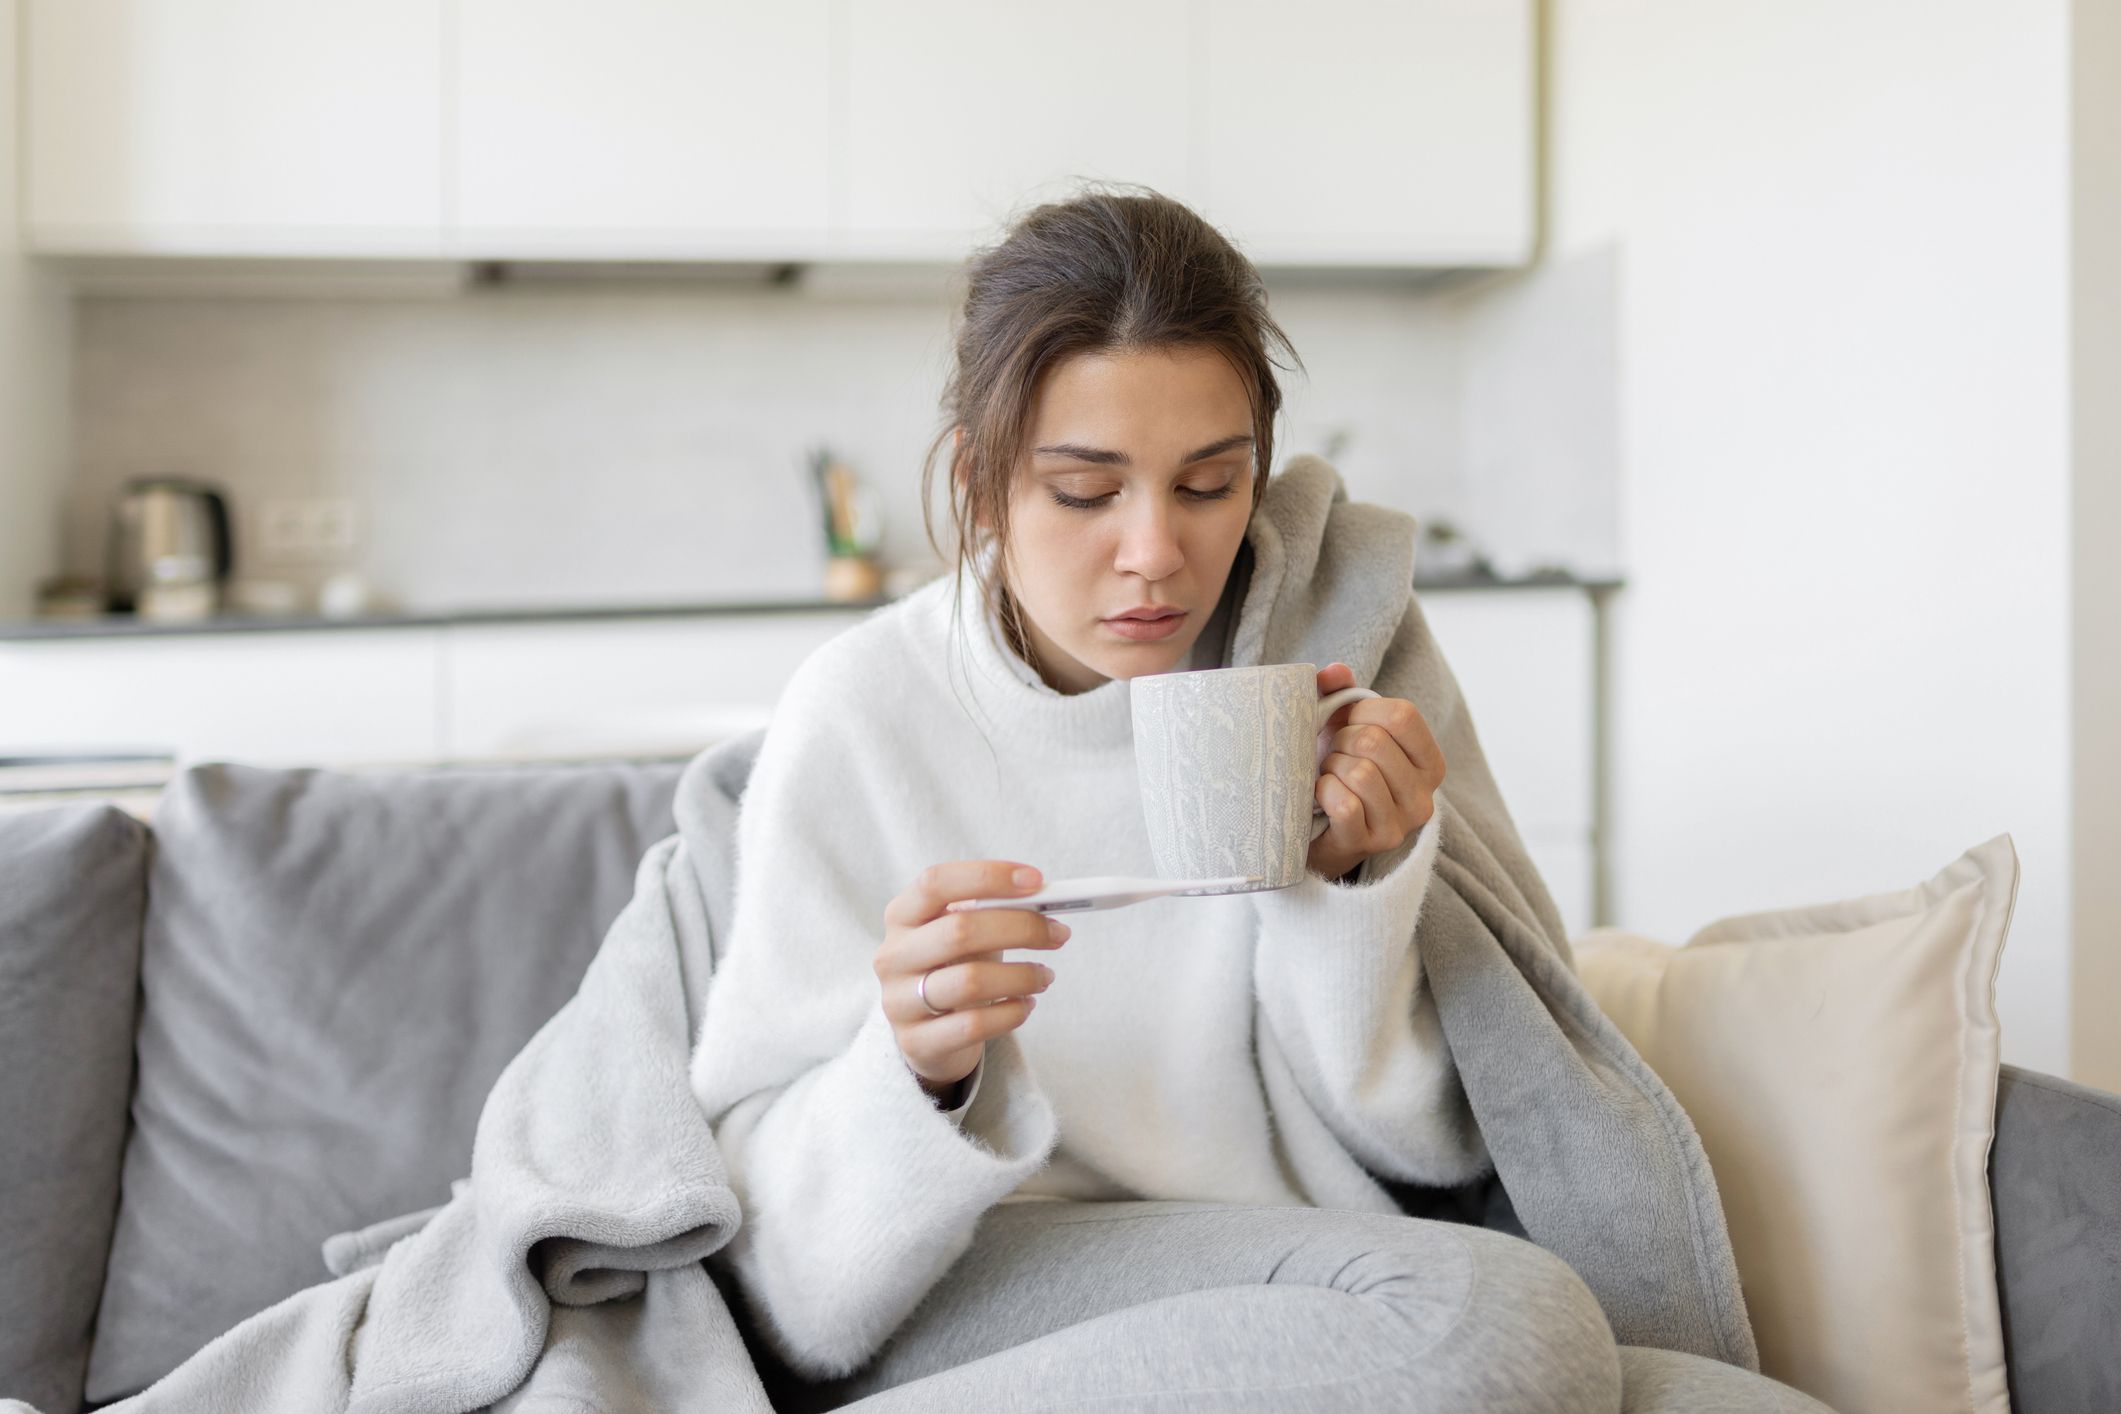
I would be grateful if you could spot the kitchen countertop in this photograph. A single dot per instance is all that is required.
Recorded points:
(127, 625)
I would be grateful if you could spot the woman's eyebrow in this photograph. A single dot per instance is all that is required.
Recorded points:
(1108, 458)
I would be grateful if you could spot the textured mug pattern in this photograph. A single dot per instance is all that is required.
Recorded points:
(1228, 760)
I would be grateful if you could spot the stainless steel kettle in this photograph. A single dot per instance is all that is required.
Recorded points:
(167, 533)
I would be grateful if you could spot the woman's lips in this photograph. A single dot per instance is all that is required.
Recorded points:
(1145, 630)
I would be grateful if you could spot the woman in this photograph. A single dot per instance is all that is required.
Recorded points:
(1147, 1169)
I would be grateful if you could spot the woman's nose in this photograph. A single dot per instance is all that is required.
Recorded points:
(1148, 548)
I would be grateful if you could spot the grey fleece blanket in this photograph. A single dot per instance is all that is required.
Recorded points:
(1600, 1164)
(566, 1273)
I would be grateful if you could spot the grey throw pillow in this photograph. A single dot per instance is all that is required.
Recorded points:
(335, 968)
(73, 884)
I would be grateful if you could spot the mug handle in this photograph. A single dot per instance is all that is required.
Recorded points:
(1329, 704)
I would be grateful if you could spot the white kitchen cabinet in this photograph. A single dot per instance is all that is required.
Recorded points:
(1349, 132)
(333, 696)
(1388, 133)
(608, 687)
(1371, 132)
(234, 127)
(649, 686)
(650, 129)
(1525, 660)
(672, 685)
(959, 111)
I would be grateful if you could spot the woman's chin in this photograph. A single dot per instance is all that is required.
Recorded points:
(1139, 660)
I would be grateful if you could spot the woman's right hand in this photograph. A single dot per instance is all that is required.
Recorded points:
(984, 996)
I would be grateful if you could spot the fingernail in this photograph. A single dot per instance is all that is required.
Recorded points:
(1057, 930)
(1030, 1002)
(1045, 973)
(1026, 878)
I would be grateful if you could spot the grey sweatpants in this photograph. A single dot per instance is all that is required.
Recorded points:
(1160, 1306)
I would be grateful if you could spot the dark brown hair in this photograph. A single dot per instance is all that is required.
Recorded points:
(1112, 269)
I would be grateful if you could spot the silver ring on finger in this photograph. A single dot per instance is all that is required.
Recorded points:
(922, 992)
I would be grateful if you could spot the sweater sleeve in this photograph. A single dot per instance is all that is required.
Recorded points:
(969, 1087)
(1338, 978)
(857, 1192)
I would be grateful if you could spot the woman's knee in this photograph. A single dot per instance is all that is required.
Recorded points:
(1469, 1318)
(1281, 1308)
(1468, 1312)
(1533, 1335)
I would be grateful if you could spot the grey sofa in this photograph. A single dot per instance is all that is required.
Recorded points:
(273, 1014)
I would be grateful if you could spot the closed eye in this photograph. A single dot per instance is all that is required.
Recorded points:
(1076, 503)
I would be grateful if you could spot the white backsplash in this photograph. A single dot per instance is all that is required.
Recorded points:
(521, 445)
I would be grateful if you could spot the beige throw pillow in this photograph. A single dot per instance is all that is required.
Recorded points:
(1840, 1064)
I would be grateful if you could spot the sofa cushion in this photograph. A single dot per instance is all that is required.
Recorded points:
(2056, 1173)
(335, 967)
(1840, 1062)
(73, 884)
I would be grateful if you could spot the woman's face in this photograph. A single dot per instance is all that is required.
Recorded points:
(1160, 444)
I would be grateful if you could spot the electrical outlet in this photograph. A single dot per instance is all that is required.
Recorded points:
(332, 526)
(307, 530)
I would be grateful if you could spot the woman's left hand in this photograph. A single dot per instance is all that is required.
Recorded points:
(1378, 781)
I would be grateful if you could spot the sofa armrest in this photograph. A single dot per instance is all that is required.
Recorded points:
(73, 892)
(2055, 1181)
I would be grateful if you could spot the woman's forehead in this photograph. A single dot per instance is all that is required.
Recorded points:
(1158, 405)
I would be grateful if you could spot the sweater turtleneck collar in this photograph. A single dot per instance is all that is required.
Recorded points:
(1012, 697)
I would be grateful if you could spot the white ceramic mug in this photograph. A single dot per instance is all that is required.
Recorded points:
(1228, 760)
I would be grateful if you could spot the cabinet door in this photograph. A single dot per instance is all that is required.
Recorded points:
(234, 127)
(1388, 132)
(340, 696)
(663, 686)
(642, 128)
(960, 111)
(1524, 661)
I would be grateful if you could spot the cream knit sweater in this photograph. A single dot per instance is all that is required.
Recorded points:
(1274, 1048)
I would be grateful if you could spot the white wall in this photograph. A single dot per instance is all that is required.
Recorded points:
(1842, 656)
(2095, 259)
(32, 379)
